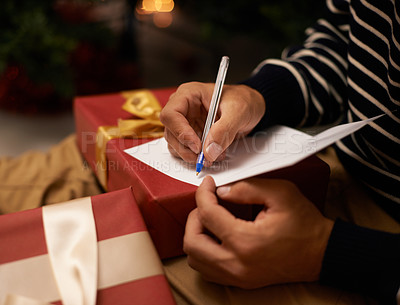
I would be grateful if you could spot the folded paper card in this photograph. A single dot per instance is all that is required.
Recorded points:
(272, 149)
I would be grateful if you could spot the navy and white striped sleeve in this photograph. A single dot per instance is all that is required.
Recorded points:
(308, 86)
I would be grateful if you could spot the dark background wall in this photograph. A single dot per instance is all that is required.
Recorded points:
(51, 51)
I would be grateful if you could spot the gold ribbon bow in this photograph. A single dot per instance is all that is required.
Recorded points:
(141, 103)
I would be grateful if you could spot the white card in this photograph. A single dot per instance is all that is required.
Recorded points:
(272, 149)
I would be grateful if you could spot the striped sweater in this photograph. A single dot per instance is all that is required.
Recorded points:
(348, 69)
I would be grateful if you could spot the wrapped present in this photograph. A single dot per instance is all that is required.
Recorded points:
(128, 114)
(164, 202)
(93, 250)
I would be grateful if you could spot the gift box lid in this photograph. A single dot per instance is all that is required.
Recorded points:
(129, 269)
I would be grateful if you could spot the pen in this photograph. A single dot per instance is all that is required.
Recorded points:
(212, 111)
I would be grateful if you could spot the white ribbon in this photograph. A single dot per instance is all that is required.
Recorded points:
(72, 247)
(69, 270)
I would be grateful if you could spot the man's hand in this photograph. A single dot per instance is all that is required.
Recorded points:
(184, 116)
(285, 243)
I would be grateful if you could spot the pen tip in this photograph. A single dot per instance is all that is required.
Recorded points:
(197, 173)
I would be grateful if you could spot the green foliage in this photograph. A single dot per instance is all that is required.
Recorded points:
(34, 35)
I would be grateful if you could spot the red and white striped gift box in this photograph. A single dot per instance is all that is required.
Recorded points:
(34, 255)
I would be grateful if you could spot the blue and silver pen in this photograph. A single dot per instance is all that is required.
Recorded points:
(212, 111)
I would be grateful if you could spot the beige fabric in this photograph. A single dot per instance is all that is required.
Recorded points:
(345, 198)
(36, 178)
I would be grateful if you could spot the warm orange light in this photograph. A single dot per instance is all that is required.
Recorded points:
(149, 5)
(160, 9)
(164, 6)
(162, 20)
(153, 6)
(141, 8)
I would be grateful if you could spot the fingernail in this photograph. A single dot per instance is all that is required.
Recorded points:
(223, 190)
(214, 150)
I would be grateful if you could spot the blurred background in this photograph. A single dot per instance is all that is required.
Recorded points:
(54, 50)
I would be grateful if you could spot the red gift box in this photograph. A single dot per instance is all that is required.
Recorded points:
(165, 202)
(95, 117)
(129, 269)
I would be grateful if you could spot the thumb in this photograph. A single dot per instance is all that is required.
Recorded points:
(269, 192)
(221, 135)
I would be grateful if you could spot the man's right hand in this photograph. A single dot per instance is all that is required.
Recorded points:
(184, 116)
